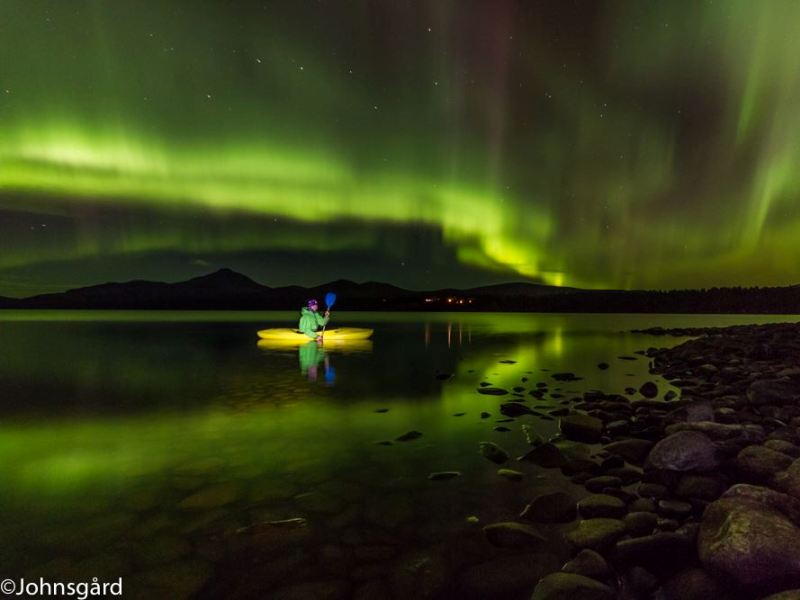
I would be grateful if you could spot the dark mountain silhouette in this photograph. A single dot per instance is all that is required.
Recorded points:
(228, 290)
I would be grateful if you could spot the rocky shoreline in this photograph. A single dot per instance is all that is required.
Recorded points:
(690, 497)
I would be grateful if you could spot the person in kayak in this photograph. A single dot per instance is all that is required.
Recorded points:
(311, 320)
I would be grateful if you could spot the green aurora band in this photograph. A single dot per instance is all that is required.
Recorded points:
(626, 144)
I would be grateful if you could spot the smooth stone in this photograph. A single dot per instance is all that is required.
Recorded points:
(408, 436)
(485, 415)
(703, 487)
(492, 391)
(493, 452)
(444, 475)
(596, 534)
(674, 508)
(640, 523)
(601, 505)
(511, 534)
(684, 451)
(633, 450)
(581, 428)
(510, 474)
(570, 586)
(601, 482)
(652, 490)
(589, 564)
(642, 505)
(660, 552)
(773, 391)
(758, 463)
(556, 507)
(514, 409)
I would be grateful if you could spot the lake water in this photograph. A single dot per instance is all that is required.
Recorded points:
(155, 447)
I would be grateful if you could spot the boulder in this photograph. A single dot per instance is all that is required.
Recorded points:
(649, 389)
(684, 451)
(749, 536)
(589, 564)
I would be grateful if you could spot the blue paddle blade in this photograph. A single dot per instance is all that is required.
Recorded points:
(330, 298)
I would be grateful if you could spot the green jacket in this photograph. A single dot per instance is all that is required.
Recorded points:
(310, 321)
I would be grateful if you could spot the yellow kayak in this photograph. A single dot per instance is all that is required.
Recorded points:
(292, 336)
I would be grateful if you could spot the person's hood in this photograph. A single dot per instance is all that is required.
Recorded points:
(306, 311)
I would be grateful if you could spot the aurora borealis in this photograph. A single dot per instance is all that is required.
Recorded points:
(423, 143)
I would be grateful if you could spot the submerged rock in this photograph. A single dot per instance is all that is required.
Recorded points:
(547, 456)
(510, 474)
(444, 475)
(589, 564)
(407, 437)
(649, 389)
(493, 452)
(601, 505)
(492, 391)
(515, 409)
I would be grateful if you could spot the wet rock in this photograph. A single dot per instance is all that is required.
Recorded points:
(513, 535)
(444, 376)
(773, 391)
(649, 389)
(674, 508)
(783, 446)
(492, 391)
(459, 414)
(514, 409)
(596, 534)
(600, 483)
(633, 450)
(785, 595)
(602, 366)
(652, 490)
(485, 415)
(750, 537)
(493, 452)
(601, 505)
(510, 474)
(758, 463)
(684, 451)
(640, 523)
(570, 586)
(556, 507)
(444, 475)
(381, 410)
(546, 455)
(642, 505)
(581, 428)
(407, 437)
(589, 564)
(501, 429)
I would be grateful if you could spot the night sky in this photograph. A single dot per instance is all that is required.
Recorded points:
(639, 144)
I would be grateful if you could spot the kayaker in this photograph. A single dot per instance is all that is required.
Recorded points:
(311, 321)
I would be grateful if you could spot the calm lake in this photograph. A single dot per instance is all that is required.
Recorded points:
(163, 448)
